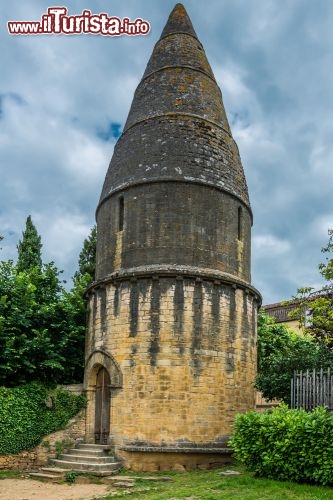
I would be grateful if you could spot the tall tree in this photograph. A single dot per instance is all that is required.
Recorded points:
(30, 311)
(76, 308)
(29, 248)
(87, 257)
(42, 325)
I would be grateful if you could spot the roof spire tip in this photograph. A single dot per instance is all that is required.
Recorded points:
(178, 22)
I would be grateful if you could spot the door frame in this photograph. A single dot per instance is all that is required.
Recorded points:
(97, 360)
(102, 406)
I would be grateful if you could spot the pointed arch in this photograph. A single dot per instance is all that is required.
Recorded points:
(95, 361)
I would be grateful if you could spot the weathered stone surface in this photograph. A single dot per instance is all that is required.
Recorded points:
(178, 22)
(179, 468)
(154, 479)
(172, 315)
(124, 484)
(177, 127)
(199, 372)
(175, 223)
(179, 148)
(230, 473)
(193, 94)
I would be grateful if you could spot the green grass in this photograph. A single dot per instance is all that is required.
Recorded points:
(210, 485)
(10, 474)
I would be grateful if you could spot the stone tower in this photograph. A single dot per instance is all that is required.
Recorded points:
(171, 347)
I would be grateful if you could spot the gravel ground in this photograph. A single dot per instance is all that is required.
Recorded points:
(29, 489)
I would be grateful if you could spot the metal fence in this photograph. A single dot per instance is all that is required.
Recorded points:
(312, 388)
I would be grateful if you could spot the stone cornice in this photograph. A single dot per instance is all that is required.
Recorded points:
(178, 272)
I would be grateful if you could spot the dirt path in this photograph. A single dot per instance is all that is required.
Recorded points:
(28, 489)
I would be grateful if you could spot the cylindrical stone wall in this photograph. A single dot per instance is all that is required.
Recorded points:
(186, 350)
(178, 223)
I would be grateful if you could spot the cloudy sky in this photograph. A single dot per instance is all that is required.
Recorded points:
(64, 99)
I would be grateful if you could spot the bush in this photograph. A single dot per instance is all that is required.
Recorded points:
(29, 412)
(286, 444)
(280, 352)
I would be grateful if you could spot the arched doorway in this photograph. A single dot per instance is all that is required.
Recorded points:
(102, 407)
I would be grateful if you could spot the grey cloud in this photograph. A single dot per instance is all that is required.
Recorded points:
(274, 64)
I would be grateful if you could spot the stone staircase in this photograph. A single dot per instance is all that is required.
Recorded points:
(49, 474)
(94, 459)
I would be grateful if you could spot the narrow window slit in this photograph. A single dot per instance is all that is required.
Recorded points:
(121, 214)
(239, 228)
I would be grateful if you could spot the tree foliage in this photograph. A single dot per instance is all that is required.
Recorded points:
(29, 248)
(280, 352)
(87, 257)
(315, 309)
(42, 325)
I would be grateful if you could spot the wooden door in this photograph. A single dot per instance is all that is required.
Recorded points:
(102, 408)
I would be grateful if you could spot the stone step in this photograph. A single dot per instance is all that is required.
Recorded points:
(92, 468)
(87, 452)
(54, 470)
(124, 483)
(104, 447)
(80, 457)
(113, 479)
(46, 477)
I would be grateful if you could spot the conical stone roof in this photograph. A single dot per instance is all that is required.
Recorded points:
(177, 129)
(178, 22)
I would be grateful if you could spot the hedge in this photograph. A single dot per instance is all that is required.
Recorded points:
(29, 412)
(286, 444)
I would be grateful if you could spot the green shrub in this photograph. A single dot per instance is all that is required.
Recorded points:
(61, 446)
(46, 444)
(59, 449)
(26, 415)
(70, 476)
(286, 444)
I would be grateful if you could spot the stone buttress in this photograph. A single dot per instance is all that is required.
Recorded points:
(171, 346)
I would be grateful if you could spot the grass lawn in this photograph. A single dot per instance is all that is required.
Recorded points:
(211, 485)
(10, 474)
